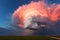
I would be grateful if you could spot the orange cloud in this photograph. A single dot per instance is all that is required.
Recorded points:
(37, 8)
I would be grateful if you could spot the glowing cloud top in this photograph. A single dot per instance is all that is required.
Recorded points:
(37, 8)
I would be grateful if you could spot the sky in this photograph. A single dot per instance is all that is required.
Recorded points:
(7, 7)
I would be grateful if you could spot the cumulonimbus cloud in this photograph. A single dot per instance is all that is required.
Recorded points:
(22, 16)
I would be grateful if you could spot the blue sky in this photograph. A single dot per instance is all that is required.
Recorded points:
(7, 7)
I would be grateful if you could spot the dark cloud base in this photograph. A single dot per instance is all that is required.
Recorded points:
(53, 31)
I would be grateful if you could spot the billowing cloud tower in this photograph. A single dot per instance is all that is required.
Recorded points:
(36, 15)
